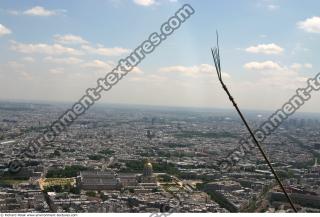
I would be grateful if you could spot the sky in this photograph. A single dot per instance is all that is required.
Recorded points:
(55, 50)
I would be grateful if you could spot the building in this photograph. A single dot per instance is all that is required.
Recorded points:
(226, 185)
(98, 180)
(148, 176)
(127, 179)
(109, 180)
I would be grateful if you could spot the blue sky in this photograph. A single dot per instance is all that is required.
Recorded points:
(54, 50)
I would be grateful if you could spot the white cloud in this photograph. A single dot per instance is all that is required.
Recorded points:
(4, 30)
(274, 75)
(136, 70)
(273, 7)
(298, 66)
(193, 71)
(17, 69)
(100, 50)
(148, 3)
(145, 3)
(225, 75)
(149, 79)
(13, 12)
(284, 79)
(56, 71)
(99, 65)
(69, 39)
(66, 60)
(267, 4)
(262, 66)
(54, 49)
(310, 25)
(28, 59)
(265, 49)
(16, 66)
(26, 75)
(39, 11)
(308, 65)
(189, 70)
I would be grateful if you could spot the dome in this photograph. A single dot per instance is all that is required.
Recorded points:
(148, 170)
(149, 165)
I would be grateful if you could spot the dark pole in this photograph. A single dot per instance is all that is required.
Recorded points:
(216, 59)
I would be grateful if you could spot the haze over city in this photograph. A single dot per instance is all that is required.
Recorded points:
(53, 51)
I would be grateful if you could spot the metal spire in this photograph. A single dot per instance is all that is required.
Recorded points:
(216, 58)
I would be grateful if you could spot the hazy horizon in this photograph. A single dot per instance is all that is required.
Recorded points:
(264, 60)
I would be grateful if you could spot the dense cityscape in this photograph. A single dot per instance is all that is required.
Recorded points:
(155, 159)
(159, 108)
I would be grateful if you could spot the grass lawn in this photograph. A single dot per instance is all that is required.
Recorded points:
(11, 181)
